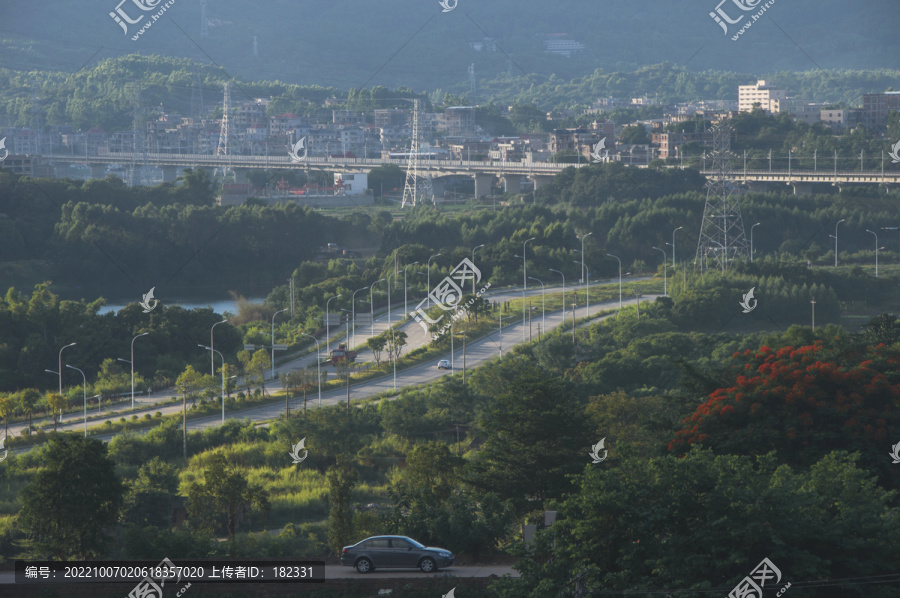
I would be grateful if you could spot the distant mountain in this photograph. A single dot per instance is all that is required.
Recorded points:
(355, 43)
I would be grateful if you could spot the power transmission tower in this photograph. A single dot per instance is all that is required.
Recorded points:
(255, 47)
(204, 22)
(472, 85)
(415, 186)
(722, 237)
(222, 149)
(196, 98)
(36, 122)
(136, 177)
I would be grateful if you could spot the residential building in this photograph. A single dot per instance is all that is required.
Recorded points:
(769, 97)
(352, 183)
(842, 119)
(877, 106)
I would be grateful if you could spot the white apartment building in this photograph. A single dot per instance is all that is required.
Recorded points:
(767, 96)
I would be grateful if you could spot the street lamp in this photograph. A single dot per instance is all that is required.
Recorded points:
(665, 268)
(60, 365)
(673, 244)
(542, 302)
(587, 294)
(473, 261)
(211, 351)
(834, 236)
(318, 366)
(564, 291)
(620, 275)
(751, 241)
(328, 321)
(132, 364)
(389, 297)
(582, 255)
(429, 277)
(84, 394)
(212, 364)
(524, 267)
(405, 306)
(353, 308)
(372, 302)
(273, 339)
(876, 252)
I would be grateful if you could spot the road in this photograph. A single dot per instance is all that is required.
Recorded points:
(477, 353)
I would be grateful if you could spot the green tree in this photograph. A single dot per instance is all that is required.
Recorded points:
(28, 400)
(7, 408)
(71, 500)
(151, 495)
(57, 403)
(341, 481)
(259, 363)
(376, 344)
(189, 381)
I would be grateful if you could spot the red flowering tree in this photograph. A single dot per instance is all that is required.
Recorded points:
(805, 402)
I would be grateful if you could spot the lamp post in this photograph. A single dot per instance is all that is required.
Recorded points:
(582, 254)
(389, 298)
(896, 228)
(328, 322)
(273, 340)
(211, 351)
(353, 308)
(673, 244)
(132, 364)
(318, 365)
(372, 302)
(665, 269)
(212, 365)
(405, 306)
(751, 241)
(564, 291)
(473, 261)
(620, 275)
(429, 277)
(876, 252)
(523, 315)
(84, 394)
(835, 237)
(524, 267)
(60, 365)
(542, 302)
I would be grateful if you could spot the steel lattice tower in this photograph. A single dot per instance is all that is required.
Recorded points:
(411, 190)
(204, 22)
(138, 135)
(722, 237)
(222, 149)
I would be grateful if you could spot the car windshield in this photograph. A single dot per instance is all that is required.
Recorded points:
(414, 543)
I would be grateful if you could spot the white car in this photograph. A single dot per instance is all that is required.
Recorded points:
(444, 364)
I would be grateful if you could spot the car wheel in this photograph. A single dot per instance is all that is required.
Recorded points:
(427, 565)
(364, 565)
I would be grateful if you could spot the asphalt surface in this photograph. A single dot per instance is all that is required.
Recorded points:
(477, 353)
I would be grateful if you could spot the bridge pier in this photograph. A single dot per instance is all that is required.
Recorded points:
(540, 180)
(801, 188)
(483, 184)
(170, 173)
(758, 186)
(61, 169)
(98, 171)
(512, 183)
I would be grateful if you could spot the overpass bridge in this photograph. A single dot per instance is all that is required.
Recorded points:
(484, 172)
(803, 180)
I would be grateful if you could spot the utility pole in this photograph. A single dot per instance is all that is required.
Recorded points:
(813, 302)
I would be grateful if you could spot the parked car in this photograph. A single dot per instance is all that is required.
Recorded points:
(394, 552)
(444, 364)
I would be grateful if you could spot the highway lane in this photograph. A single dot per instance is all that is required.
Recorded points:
(477, 353)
